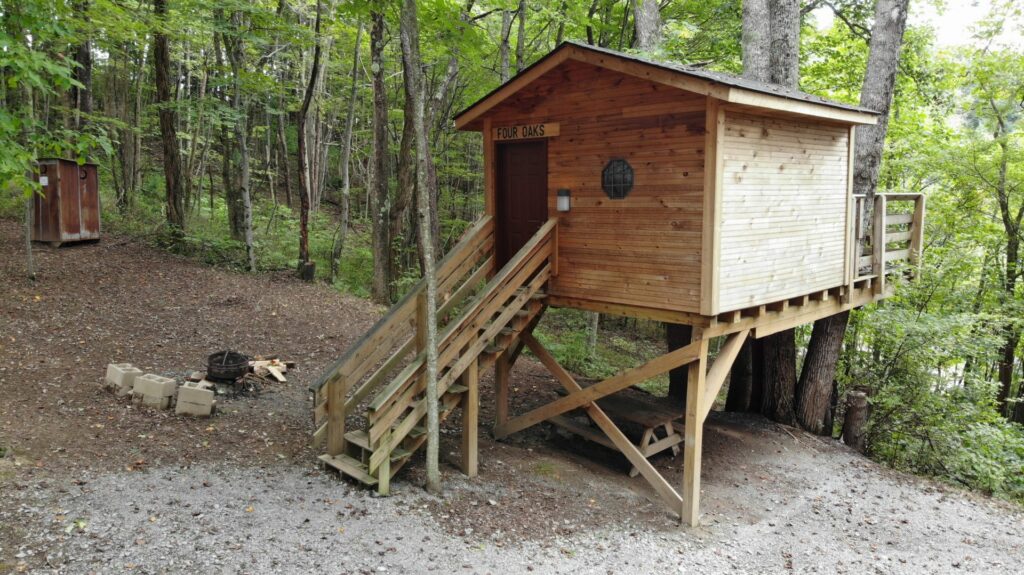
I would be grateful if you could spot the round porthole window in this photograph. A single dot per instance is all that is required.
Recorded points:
(617, 179)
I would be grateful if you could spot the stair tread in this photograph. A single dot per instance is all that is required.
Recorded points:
(493, 349)
(457, 388)
(418, 431)
(349, 466)
(358, 437)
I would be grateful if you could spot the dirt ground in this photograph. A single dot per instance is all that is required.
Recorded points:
(91, 484)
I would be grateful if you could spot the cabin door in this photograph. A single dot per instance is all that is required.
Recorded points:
(522, 194)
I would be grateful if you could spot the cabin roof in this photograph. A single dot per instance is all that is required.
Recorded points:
(726, 87)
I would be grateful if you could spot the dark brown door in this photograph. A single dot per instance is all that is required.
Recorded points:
(522, 194)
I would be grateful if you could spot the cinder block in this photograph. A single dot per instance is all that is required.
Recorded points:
(121, 377)
(154, 391)
(194, 398)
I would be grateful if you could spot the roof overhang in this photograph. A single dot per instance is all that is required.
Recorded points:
(469, 118)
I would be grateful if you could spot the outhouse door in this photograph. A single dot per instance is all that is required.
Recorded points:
(522, 194)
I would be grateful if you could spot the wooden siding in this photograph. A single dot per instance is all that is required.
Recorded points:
(783, 222)
(644, 250)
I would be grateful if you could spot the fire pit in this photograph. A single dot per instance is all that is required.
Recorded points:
(227, 366)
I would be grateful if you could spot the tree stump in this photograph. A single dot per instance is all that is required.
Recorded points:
(307, 271)
(856, 419)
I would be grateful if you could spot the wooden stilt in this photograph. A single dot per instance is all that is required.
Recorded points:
(502, 375)
(470, 416)
(384, 470)
(694, 433)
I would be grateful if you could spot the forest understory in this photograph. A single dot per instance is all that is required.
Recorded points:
(90, 483)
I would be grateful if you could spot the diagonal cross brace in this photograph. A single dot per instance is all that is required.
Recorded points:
(583, 396)
(632, 453)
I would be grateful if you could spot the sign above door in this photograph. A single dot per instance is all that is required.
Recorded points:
(525, 132)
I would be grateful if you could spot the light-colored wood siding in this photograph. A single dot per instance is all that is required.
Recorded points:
(644, 250)
(782, 228)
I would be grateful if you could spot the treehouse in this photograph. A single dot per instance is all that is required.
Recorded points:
(625, 186)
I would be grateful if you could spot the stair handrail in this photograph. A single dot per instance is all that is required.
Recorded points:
(518, 271)
(375, 345)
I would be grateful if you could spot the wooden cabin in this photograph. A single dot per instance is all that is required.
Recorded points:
(68, 207)
(626, 186)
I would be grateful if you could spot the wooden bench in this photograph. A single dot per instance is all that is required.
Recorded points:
(652, 414)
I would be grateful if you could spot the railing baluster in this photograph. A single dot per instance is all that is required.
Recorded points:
(878, 244)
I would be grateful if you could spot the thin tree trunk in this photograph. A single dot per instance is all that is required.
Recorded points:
(346, 157)
(236, 53)
(378, 194)
(82, 97)
(521, 37)
(647, 23)
(503, 48)
(307, 269)
(168, 118)
(411, 61)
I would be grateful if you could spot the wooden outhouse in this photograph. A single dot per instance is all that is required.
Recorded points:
(626, 186)
(68, 207)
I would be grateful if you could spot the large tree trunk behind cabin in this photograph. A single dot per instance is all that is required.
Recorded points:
(678, 335)
(647, 22)
(814, 390)
(780, 377)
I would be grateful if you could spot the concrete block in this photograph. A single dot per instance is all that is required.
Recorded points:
(195, 398)
(121, 377)
(154, 391)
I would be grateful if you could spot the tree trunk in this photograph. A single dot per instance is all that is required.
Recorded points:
(877, 91)
(756, 40)
(784, 56)
(503, 49)
(826, 342)
(647, 22)
(521, 38)
(678, 335)
(81, 98)
(814, 390)
(168, 118)
(414, 85)
(779, 377)
(740, 380)
(856, 419)
(236, 53)
(346, 157)
(380, 289)
(307, 269)
(593, 327)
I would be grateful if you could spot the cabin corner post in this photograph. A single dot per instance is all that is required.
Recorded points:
(851, 250)
(489, 168)
(693, 436)
(714, 134)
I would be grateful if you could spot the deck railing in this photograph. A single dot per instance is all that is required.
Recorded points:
(887, 240)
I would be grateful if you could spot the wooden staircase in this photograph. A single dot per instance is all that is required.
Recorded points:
(380, 380)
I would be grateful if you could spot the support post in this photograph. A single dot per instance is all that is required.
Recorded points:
(384, 470)
(470, 417)
(502, 375)
(878, 244)
(917, 233)
(336, 416)
(694, 433)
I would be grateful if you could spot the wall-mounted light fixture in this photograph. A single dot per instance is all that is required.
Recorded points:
(564, 200)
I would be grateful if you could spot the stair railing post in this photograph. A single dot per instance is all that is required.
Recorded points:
(336, 416)
(917, 233)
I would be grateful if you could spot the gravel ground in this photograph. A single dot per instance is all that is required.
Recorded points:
(91, 484)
